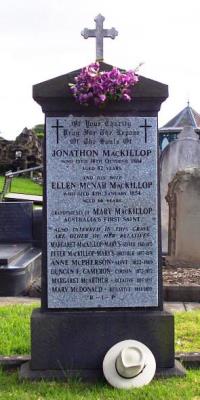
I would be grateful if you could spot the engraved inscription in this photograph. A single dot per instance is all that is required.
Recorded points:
(102, 224)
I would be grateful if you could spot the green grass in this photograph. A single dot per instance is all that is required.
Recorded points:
(15, 339)
(23, 185)
(15, 329)
(1, 183)
(187, 388)
(187, 336)
(26, 186)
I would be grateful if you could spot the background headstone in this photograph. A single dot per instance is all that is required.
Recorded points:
(16, 222)
(184, 218)
(178, 155)
(20, 247)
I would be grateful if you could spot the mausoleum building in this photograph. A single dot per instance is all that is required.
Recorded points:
(170, 131)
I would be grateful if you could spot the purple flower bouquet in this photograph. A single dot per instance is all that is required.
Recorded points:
(93, 86)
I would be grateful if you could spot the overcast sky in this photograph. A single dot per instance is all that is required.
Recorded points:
(40, 39)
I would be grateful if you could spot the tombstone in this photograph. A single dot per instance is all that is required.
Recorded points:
(20, 247)
(178, 155)
(184, 218)
(101, 257)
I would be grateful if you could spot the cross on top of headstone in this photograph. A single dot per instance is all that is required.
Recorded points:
(99, 33)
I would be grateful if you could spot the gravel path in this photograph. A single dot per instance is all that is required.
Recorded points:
(179, 276)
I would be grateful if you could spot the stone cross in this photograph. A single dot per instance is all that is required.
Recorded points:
(99, 33)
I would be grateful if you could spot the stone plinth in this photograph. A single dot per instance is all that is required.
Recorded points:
(76, 342)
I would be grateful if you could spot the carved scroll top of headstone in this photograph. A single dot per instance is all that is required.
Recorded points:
(99, 33)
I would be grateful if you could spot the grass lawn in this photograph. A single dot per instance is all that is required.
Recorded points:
(15, 339)
(23, 185)
(1, 183)
(187, 332)
(15, 329)
(187, 388)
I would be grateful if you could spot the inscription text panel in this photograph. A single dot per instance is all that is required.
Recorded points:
(102, 213)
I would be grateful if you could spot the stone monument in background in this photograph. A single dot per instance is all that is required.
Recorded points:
(184, 218)
(101, 280)
(178, 155)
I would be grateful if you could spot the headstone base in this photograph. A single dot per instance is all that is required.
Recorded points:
(75, 342)
(88, 375)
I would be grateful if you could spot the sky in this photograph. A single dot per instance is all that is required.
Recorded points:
(41, 39)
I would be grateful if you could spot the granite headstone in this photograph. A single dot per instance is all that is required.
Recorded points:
(101, 280)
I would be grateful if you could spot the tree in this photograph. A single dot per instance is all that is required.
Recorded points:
(39, 130)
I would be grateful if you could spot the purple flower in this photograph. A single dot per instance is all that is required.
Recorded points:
(126, 97)
(99, 87)
(102, 98)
